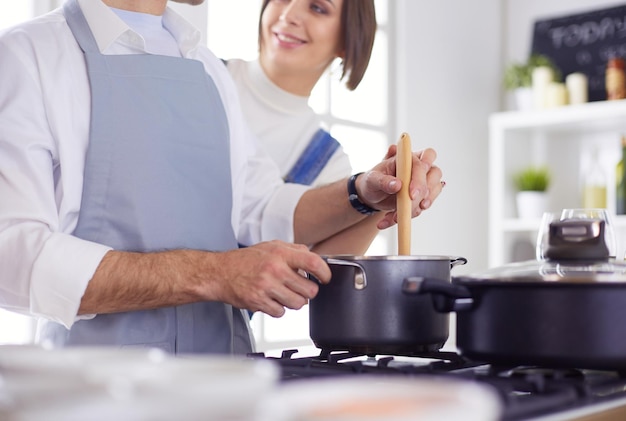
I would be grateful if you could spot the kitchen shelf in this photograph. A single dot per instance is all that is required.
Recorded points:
(561, 139)
(590, 117)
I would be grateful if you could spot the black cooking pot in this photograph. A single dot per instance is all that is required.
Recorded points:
(564, 312)
(364, 310)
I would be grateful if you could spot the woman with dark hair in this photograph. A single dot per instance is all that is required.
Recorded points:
(298, 41)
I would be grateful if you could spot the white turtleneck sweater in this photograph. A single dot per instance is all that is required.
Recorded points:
(283, 122)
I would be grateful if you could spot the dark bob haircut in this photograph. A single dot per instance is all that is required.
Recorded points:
(358, 29)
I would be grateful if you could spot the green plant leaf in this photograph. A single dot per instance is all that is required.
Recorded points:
(532, 179)
(519, 75)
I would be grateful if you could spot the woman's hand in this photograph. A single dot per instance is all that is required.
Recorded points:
(379, 186)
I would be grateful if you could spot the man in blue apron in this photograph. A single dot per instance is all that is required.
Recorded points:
(157, 199)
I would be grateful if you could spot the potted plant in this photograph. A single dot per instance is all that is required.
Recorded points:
(532, 183)
(518, 78)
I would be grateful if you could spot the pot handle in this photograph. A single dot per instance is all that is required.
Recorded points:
(447, 297)
(457, 261)
(360, 280)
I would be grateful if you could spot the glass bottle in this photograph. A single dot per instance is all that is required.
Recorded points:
(620, 179)
(594, 188)
(615, 79)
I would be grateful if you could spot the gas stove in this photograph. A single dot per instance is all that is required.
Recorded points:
(526, 392)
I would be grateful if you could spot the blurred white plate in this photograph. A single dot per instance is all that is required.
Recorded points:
(369, 398)
(33, 358)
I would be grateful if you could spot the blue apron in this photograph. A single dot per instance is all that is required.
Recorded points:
(157, 177)
(313, 159)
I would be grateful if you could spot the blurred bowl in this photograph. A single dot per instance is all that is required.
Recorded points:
(104, 383)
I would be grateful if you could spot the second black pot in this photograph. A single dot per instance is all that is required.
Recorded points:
(538, 313)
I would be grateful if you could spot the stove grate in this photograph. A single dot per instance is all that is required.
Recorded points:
(526, 391)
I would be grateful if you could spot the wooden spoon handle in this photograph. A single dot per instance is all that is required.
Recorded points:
(404, 160)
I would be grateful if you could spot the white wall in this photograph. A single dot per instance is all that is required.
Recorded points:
(449, 82)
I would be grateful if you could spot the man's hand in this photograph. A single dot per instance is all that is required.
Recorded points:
(265, 277)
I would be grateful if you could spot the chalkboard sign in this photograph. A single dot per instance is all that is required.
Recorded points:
(583, 43)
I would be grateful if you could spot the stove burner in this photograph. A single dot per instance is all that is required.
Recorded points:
(548, 373)
(398, 350)
(526, 391)
(334, 356)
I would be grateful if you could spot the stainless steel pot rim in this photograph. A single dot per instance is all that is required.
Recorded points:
(353, 258)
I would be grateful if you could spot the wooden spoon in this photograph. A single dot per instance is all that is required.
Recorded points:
(404, 160)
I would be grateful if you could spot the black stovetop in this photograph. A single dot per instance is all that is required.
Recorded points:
(525, 391)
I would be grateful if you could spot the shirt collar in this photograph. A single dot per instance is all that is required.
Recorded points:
(108, 28)
(187, 35)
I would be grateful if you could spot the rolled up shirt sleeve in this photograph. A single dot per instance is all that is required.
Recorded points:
(44, 270)
(57, 289)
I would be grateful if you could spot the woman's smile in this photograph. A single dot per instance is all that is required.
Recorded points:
(286, 40)
(299, 40)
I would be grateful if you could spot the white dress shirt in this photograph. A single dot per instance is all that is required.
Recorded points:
(44, 133)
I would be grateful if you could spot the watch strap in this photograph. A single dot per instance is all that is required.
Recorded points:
(353, 197)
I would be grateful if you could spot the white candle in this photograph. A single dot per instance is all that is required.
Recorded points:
(577, 88)
(541, 78)
(556, 95)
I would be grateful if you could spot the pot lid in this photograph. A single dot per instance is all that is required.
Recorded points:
(535, 271)
(576, 253)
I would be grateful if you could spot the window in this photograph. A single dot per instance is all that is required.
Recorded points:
(358, 119)
(14, 12)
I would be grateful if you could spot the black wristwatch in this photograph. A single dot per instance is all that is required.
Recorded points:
(353, 197)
